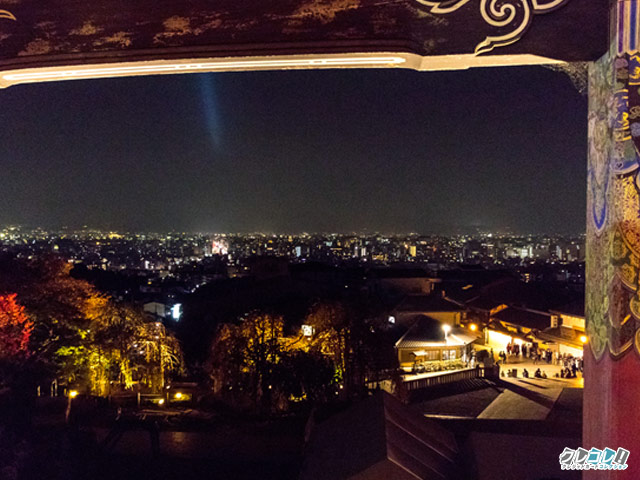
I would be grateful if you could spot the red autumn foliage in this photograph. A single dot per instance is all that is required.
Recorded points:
(15, 327)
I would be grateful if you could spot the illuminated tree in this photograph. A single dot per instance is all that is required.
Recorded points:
(305, 375)
(227, 362)
(122, 346)
(15, 327)
(343, 332)
(254, 360)
(331, 329)
(161, 351)
(60, 306)
(244, 355)
(81, 336)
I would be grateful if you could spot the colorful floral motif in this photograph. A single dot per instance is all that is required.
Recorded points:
(613, 227)
(599, 269)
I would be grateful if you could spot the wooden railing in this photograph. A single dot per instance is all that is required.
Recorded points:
(450, 377)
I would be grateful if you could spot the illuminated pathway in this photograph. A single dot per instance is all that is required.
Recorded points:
(528, 398)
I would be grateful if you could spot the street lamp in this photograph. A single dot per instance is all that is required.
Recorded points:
(446, 329)
(67, 414)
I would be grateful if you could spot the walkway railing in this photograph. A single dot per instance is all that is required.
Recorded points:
(450, 377)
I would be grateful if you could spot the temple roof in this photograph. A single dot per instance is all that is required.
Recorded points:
(565, 335)
(428, 332)
(427, 303)
(524, 318)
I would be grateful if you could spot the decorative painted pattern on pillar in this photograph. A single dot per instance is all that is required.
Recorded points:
(612, 364)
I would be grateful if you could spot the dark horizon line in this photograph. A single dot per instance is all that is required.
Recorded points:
(450, 230)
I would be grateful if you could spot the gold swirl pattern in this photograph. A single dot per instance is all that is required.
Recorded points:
(513, 15)
(613, 227)
(8, 15)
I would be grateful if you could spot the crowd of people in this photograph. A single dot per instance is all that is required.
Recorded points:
(537, 374)
(571, 365)
(536, 355)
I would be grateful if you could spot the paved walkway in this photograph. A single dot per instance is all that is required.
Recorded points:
(550, 369)
(528, 398)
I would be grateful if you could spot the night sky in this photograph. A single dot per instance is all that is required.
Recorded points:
(341, 150)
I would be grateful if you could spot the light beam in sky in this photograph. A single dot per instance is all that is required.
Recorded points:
(209, 103)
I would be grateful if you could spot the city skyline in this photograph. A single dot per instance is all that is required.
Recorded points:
(451, 232)
(120, 251)
(352, 151)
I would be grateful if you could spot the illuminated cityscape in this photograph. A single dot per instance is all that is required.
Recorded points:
(425, 306)
(319, 240)
(169, 253)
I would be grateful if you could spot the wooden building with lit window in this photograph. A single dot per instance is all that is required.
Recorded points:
(430, 340)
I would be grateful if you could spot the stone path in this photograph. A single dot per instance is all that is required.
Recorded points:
(528, 398)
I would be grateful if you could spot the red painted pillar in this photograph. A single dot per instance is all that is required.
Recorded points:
(611, 411)
(612, 357)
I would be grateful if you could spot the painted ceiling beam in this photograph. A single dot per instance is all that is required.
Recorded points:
(56, 39)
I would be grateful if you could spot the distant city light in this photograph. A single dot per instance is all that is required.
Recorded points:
(176, 311)
(473, 327)
(307, 330)
(392, 319)
(446, 329)
(583, 338)
(73, 393)
(219, 247)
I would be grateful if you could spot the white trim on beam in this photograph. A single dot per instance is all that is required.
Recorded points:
(279, 62)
